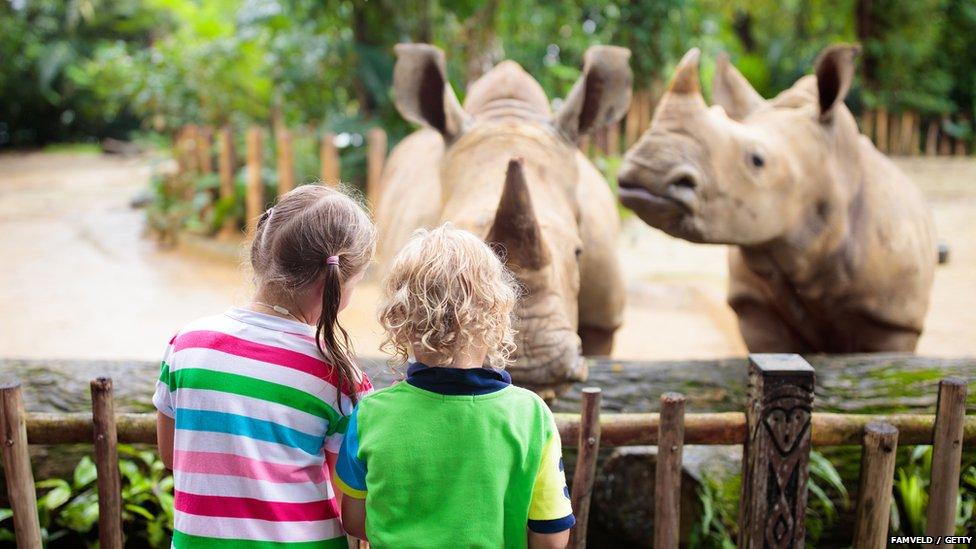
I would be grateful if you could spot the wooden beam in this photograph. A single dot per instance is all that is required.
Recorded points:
(107, 464)
(585, 474)
(667, 471)
(946, 458)
(375, 158)
(225, 167)
(286, 160)
(254, 197)
(776, 454)
(874, 492)
(17, 468)
(329, 159)
(616, 429)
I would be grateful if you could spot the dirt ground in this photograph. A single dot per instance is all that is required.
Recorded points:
(80, 280)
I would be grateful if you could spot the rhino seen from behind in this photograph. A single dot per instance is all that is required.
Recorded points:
(507, 169)
(833, 248)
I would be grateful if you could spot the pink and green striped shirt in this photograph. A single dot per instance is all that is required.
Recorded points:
(255, 408)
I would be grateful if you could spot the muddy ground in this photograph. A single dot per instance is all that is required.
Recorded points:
(80, 280)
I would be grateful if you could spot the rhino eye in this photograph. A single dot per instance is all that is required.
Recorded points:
(578, 251)
(757, 160)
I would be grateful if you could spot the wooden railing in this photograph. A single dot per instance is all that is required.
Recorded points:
(776, 430)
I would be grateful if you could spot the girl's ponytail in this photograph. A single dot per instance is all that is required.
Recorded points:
(336, 351)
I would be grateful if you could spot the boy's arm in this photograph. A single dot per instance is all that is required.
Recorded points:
(164, 438)
(350, 479)
(548, 541)
(550, 511)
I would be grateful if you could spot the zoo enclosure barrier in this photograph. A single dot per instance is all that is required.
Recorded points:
(777, 431)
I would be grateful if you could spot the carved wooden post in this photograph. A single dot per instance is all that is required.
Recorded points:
(107, 465)
(776, 452)
(17, 467)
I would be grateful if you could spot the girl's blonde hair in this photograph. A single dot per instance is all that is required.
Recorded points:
(445, 291)
(291, 249)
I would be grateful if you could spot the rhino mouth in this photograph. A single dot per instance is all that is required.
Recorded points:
(667, 213)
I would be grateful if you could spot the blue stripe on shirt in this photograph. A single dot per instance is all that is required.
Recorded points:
(349, 468)
(552, 526)
(258, 429)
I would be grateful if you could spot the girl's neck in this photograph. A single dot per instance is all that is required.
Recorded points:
(277, 303)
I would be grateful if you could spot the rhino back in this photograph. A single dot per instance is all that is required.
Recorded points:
(411, 192)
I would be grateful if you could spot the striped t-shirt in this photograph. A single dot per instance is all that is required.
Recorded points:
(256, 409)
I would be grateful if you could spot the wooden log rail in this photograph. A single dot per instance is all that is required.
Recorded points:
(777, 431)
(616, 429)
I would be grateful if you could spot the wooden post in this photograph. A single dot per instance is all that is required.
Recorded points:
(225, 167)
(17, 467)
(188, 150)
(375, 156)
(254, 198)
(874, 492)
(645, 110)
(776, 452)
(932, 138)
(107, 465)
(881, 129)
(589, 446)
(916, 142)
(945, 142)
(667, 474)
(894, 137)
(907, 134)
(946, 456)
(632, 122)
(866, 124)
(204, 149)
(286, 161)
(329, 157)
(960, 148)
(613, 139)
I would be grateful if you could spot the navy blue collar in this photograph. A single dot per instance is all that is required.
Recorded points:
(457, 381)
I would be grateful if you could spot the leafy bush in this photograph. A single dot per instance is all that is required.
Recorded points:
(68, 508)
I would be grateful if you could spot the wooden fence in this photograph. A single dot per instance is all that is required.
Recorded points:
(195, 148)
(777, 431)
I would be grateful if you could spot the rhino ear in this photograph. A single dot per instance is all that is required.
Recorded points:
(835, 72)
(421, 90)
(601, 95)
(515, 227)
(732, 91)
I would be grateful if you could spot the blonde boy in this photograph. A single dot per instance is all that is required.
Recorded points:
(456, 456)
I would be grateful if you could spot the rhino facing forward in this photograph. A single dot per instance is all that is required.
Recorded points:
(835, 247)
(507, 169)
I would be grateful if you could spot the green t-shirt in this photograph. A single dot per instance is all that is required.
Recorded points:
(455, 458)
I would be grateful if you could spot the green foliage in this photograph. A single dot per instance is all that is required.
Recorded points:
(68, 508)
(911, 496)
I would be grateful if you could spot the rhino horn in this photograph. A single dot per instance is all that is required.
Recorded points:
(515, 228)
(686, 79)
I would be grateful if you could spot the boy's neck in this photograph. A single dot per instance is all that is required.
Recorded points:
(465, 359)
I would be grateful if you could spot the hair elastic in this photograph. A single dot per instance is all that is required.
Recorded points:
(332, 260)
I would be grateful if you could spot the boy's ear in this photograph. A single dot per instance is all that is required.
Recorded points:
(600, 96)
(422, 92)
(835, 72)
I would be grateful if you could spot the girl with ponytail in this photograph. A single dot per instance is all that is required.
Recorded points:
(254, 403)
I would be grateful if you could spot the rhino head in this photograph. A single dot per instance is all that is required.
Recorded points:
(746, 171)
(509, 173)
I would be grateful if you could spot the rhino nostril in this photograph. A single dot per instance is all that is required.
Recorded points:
(685, 181)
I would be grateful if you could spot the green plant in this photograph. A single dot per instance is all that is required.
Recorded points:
(911, 495)
(68, 508)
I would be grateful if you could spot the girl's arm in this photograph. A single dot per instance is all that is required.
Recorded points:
(354, 516)
(330, 460)
(558, 540)
(164, 438)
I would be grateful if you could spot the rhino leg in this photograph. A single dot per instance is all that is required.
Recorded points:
(601, 297)
(764, 331)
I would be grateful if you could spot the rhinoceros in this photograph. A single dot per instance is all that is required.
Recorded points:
(833, 248)
(506, 168)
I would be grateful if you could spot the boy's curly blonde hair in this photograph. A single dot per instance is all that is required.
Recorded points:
(445, 291)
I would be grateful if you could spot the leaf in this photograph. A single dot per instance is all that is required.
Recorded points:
(85, 473)
(5, 514)
(139, 510)
(56, 496)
